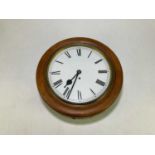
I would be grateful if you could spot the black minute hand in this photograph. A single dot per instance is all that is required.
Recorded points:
(76, 76)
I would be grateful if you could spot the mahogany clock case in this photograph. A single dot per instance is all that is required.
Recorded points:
(75, 110)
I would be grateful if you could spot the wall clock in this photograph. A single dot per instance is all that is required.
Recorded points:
(79, 77)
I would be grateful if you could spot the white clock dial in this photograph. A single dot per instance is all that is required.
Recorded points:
(79, 74)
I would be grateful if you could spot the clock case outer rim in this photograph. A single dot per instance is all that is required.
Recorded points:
(85, 110)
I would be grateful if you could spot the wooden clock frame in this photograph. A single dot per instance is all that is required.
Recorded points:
(74, 110)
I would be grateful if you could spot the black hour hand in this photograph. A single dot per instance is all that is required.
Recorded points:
(69, 82)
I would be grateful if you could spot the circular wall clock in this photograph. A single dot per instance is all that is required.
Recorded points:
(79, 77)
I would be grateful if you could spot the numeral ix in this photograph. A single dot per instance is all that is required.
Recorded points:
(55, 73)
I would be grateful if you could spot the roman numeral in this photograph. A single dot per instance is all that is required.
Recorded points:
(67, 54)
(79, 52)
(55, 73)
(89, 54)
(98, 61)
(102, 71)
(66, 92)
(92, 92)
(59, 62)
(57, 83)
(100, 82)
(79, 95)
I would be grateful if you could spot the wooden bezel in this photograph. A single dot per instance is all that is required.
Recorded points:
(74, 110)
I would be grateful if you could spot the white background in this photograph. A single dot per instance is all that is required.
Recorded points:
(23, 42)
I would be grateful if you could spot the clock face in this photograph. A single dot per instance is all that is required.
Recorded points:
(79, 74)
